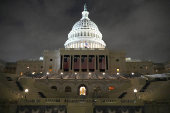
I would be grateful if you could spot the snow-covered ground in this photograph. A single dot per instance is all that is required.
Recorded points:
(164, 75)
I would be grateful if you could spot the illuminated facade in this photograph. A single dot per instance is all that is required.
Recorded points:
(85, 34)
(85, 52)
(83, 77)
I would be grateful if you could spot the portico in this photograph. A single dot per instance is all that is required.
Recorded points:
(84, 60)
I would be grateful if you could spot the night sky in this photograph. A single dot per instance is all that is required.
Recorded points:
(140, 27)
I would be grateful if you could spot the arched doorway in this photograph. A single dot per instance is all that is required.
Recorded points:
(82, 89)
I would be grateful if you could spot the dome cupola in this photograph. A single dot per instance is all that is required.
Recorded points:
(85, 34)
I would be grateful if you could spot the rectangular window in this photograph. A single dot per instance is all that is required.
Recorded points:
(117, 60)
(51, 59)
(82, 59)
(100, 59)
(75, 59)
(41, 66)
(90, 59)
(65, 59)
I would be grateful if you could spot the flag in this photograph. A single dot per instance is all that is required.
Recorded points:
(87, 45)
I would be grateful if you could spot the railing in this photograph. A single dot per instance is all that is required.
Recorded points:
(83, 49)
(151, 91)
(80, 80)
(14, 92)
(66, 101)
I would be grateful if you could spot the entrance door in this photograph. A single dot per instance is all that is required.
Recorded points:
(82, 90)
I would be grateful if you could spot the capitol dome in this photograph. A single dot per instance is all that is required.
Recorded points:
(85, 34)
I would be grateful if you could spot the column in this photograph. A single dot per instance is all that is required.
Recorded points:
(95, 63)
(108, 59)
(98, 61)
(87, 62)
(105, 63)
(80, 64)
(62, 62)
(70, 63)
(73, 63)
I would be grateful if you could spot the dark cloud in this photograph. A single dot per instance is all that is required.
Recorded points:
(140, 27)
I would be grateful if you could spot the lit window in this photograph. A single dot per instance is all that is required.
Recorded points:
(132, 73)
(28, 67)
(146, 67)
(103, 73)
(117, 73)
(89, 73)
(111, 87)
(117, 70)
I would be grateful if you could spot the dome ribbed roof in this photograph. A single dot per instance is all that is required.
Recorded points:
(85, 24)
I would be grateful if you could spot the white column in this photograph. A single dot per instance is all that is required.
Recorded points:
(80, 64)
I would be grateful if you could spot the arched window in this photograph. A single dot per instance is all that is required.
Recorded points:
(54, 87)
(68, 89)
